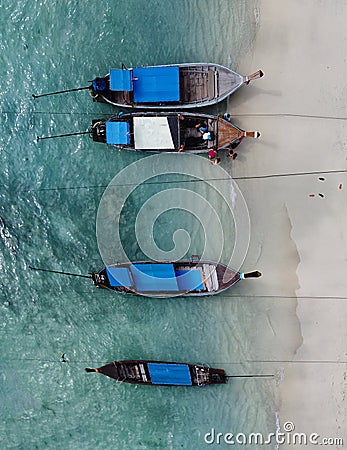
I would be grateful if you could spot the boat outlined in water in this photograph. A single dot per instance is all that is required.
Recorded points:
(169, 86)
(192, 277)
(165, 132)
(168, 279)
(168, 132)
(158, 373)
(172, 86)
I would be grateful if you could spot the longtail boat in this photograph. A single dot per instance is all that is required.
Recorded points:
(157, 373)
(166, 279)
(188, 85)
(192, 277)
(168, 132)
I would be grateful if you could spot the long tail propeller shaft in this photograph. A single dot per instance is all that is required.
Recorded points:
(59, 272)
(60, 92)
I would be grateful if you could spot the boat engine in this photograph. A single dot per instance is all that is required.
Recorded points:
(99, 84)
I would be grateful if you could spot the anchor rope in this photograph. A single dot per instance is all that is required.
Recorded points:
(241, 178)
(72, 113)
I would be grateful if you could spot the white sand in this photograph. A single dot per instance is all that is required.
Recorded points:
(299, 242)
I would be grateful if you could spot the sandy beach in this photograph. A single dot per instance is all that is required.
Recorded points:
(295, 185)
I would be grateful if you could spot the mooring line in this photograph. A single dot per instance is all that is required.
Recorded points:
(73, 113)
(254, 177)
(53, 113)
(306, 116)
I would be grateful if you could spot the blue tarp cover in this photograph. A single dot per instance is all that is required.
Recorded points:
(119, 276)
(154, 277)
(117, 133)
(170, 374)
(189, 280)
(120, 80)
(156, 84)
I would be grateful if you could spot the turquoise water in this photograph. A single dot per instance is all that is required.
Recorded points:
(50, 194)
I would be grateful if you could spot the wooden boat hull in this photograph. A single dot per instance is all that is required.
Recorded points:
(200, 84)
(212, 278)
(160, 373)
(164, 279)
(161, 132)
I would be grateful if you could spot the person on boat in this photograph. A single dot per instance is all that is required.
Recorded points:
(188, 122)
(192, 122)
(208, 136)
(190, 142)
(202, 127)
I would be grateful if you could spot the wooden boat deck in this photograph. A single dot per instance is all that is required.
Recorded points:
(227, 133)
(198, 84)
(226, 276)
(205, 83)
(228, 81)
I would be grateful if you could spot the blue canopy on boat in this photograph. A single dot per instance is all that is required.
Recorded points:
(117, 133)
(189, 280)
(156, 84)
(120, 80)
(177, 374)
(154, 277)
(119, 276)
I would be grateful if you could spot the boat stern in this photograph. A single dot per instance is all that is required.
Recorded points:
(217, 376)
(99, 279)
(98, 86)
(98, 131)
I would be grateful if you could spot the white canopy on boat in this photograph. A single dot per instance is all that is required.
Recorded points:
(152, 133)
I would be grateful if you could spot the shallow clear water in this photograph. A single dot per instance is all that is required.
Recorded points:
(50, 194)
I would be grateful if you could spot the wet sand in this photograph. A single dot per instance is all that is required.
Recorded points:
(299, 220)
